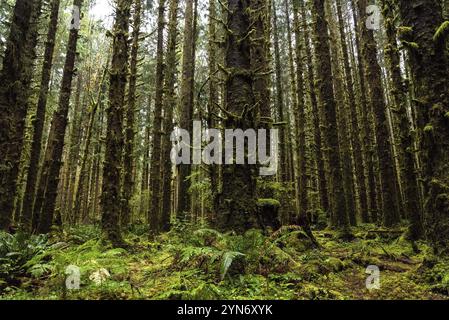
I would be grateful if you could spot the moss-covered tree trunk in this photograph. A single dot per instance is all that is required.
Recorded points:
(367, 130)
(186, 104)
(15, 80)
(38, 124)
(49, 179)
(155, 161)
(425, 34)
(406, 145)
(328, 104)
(84, 170)
(111, 196)
(145, 161)
(128, 156)
(169, 105)
(293, 97)
(300, 119)
(213, 96)
(71, 152)
(376, 95)
(355, 128)
(238, 204)
(316, 115)
(342, 119)
(280, 104)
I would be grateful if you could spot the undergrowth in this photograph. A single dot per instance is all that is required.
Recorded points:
(201, 263)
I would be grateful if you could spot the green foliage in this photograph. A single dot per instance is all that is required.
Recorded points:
(404, 30)
(202, 263)
(428, 128)
(268, 202)
(226, 262)
(410, 45)
(442, 32)
(21, 255)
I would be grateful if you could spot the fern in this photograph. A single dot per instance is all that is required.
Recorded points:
(226, 261)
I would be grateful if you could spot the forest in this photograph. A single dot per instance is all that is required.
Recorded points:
(127, 154)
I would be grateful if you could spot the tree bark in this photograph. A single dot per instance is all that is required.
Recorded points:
(15, 80)
(186, 104)
(355, 134)
(373, 73)
(111, 196)
(328, 104)
(155, 161)
(428, 60)
(169, 105)
(38, 124)
(49, 179)
(316, 115)
(128, 167)
(238, 203)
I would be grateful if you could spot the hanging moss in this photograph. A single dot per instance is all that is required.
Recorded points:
(442, 32)
(410, 45)
(428, 128)
(403, 30)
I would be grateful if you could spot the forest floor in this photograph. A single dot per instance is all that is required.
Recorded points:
(192, 263)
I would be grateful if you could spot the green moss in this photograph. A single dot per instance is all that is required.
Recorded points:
(268, 203)
(185, 263)
(428, 128)
(335, 264)
(442, 32)
(410, 45)
(402, 30)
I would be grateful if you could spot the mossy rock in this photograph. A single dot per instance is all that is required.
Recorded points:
(335, 264)
(310, 270)
(268, 212)
(268, 202)
(313, 292)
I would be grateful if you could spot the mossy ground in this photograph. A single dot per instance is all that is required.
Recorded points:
(193, 263)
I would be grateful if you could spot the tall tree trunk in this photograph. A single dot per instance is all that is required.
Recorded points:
(155, 161)
(169, 104)
(238, 205)
(74, 147)
(49, 179)
(429, 70)
(316, 115)
(128, 182)
(341, 101)
(111, 195)
(406, 146)
(328, 104)
(78, 189)
(38, 124)
(280, 105)
(15, 80)
(300, 120)
(213, 96)
(367, 130)
(376, 94)
(355, 137)
(186, 104)
(145, 161)
(293, 97)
